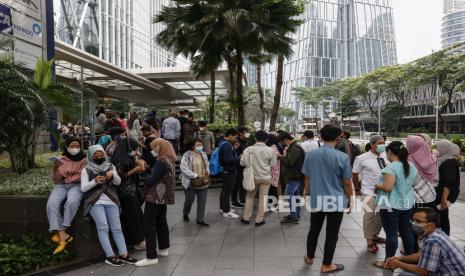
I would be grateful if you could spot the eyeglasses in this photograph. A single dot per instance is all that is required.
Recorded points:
(418, 221)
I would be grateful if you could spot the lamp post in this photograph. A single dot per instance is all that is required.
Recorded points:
(379, 114)
(437, 109)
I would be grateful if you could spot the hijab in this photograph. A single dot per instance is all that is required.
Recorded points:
(427, 139)
(420, 155)
(447, 150)
(104, 140)
(165, 149)
(122, 152)
(91, 165)
(76, 158)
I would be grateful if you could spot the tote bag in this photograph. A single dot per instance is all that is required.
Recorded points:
(249, 178)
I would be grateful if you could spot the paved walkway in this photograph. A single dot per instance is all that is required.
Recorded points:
(230, 248)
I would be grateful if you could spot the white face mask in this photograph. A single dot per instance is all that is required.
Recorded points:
(202, 129)
(133, 153)
(74, 151)
(247, 135)
(154, 153)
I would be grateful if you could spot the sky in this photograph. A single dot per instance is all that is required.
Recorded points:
(417, 27)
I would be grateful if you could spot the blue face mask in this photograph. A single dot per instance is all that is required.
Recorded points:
(199, 149)
(381, 148)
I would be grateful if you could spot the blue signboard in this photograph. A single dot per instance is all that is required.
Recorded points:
(5, 18)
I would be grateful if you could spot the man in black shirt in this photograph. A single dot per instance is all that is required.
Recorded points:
(238, 192)
(229, 160)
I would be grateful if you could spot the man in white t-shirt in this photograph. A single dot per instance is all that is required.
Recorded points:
(366, 174)
(309, 143)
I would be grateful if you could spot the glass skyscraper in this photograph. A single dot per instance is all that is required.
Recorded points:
(118, 31)
(453, 22)
(337, 39)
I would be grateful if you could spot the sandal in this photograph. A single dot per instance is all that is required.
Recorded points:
(379, 264)
(56, 238)
(373, 248)
(61, 245)
(339, 267)
(308, 260)
(379, 240)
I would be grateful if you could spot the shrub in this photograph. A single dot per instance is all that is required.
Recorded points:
(29, 253)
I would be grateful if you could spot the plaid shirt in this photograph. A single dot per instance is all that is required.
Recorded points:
(440, 256)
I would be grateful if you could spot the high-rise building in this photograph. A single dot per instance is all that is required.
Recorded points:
(453, 22)
(119, 31)
(337, 39)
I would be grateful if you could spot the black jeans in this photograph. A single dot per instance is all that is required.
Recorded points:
(445, 224)
(155, 228)
(238, 191)
(332, 233)
(228, 183)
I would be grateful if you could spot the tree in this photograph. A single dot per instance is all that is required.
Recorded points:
(312, 97)
(285, 113)
(253, 106)
(23, 115)
(210, 32)
(258, 60)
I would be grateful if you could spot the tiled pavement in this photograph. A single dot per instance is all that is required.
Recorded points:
(230, 248)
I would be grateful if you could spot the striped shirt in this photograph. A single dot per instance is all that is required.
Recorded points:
(440, 256)
(423, 190)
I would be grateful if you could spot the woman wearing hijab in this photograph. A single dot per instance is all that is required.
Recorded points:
(66, 174)
(98, 181)
(159, 193)
(421, 157)
(128, 166)
(448, 187)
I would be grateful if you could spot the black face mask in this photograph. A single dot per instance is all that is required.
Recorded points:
(99, 161)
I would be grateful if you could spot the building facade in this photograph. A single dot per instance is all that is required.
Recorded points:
(118, 31)
(337, 39)
(453, 22)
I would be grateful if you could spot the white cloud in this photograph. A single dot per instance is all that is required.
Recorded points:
(418, 28)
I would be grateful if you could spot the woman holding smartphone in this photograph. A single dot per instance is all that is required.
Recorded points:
(66, 174)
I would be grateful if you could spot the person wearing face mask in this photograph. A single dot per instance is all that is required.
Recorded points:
(98, 181)
(420, 155)
(149, 136)
(195, 179)
(189, 130)
(291, 170)
(207, 138)
(365, 175)
(438, 256)
(395, 200)
(238, 192)
(159, 193)
(66, 174)
(128, 167)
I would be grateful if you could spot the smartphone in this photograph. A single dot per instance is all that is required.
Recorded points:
(54, 159)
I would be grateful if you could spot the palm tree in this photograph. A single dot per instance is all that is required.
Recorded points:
(209, 32)
(258, 60)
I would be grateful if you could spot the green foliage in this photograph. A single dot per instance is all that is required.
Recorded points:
(390, 118)
(286, 113)
(18, 256)
(221, 127)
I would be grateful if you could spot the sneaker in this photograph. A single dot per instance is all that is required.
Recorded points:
(260, 223)
(237, 205)
(230, 215)
(288, 220)
(245, 221)
(203, 223)
(127, 259)
(146, 262)
(185, 218)
(163, 252)
(113, 261)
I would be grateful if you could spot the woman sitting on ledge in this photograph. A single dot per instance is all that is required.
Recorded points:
(66, 173)
(98, 182)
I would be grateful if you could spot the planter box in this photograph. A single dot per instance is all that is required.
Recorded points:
(21, 215)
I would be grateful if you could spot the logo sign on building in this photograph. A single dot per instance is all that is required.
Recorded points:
(29, 7)
(26, 28)
(5, 18)
(26, 54)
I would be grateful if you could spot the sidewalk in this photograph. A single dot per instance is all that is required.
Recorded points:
(231, 248)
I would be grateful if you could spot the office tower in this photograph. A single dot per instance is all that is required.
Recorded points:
(453, 22)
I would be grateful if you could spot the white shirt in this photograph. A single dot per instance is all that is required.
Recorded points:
(309, 145)
(369, 170)
(87, 185)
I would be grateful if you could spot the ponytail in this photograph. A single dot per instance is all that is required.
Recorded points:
(398, 148)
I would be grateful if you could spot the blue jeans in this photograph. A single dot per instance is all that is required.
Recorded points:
(397, 221)
(293, 191)
(72, 194)
(106, 218)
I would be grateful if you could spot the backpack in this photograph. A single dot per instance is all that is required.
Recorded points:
(215, 165)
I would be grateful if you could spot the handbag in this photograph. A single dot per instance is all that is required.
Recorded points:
(202, 181)
(249, 177)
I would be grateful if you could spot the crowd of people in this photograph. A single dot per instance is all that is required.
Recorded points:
(127, 179)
